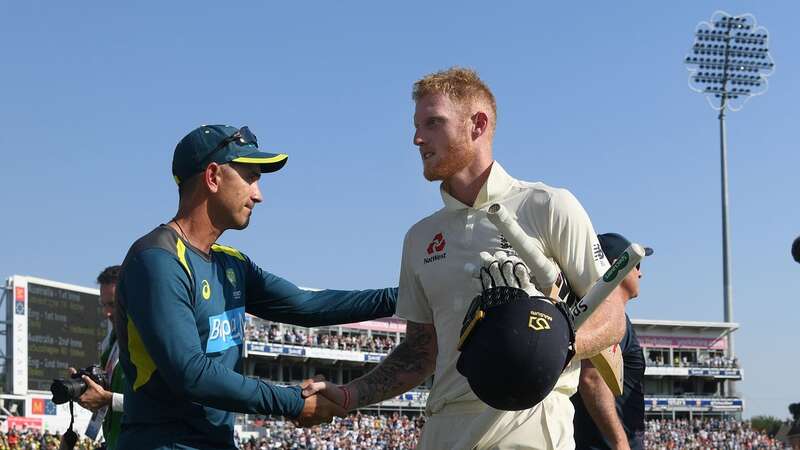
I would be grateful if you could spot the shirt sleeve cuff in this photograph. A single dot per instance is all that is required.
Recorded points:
(117, 401)
(295, 402)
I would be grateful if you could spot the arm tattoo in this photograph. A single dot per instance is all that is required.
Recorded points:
(406, 367)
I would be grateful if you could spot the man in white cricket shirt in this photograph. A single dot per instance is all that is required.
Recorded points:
(455, 123)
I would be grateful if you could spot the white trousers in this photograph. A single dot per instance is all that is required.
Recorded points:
(546, 426)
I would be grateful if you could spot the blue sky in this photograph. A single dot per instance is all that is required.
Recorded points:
(94, 97)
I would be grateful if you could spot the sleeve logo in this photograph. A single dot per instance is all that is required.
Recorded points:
(597, 251)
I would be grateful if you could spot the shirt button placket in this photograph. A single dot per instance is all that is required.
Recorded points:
(469, 226)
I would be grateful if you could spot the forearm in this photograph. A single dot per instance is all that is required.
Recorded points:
(217, 386)
(599, 401)
(403, 369)
(604, 328)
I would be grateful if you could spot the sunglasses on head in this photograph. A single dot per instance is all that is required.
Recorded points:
(244, 135)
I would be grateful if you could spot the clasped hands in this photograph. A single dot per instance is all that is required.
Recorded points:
(323, 401)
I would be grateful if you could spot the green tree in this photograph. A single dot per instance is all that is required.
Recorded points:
(794, 408)
(767, 424)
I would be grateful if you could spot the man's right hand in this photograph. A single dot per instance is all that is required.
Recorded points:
(318, 409)
(95, 396)
(331, 391)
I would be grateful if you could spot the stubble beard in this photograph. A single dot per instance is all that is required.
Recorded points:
(224, 218)
(459, 155)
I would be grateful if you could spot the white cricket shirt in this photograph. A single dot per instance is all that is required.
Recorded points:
(435, 288)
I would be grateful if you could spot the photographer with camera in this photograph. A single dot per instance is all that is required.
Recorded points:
(104, 383)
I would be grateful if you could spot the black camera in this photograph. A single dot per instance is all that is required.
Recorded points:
(73, 387)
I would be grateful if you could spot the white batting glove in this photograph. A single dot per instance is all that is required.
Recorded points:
(502, 269)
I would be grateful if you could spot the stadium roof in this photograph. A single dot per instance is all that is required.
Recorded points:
(721, 329)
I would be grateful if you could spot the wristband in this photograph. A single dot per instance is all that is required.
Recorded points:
(346, 392)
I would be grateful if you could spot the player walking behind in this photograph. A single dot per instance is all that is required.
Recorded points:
(603, 421)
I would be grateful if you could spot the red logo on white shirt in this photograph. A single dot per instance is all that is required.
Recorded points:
(437, 245)
(435, 249)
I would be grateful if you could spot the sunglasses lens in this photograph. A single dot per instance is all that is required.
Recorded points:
(248, 136)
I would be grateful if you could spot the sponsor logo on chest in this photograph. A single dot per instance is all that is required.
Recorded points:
(205, 289)
(225, 330)
(435, 249)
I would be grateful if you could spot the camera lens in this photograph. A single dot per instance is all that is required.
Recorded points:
(66, 390)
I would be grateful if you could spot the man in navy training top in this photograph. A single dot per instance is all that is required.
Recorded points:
(182, 299)
(601, 421)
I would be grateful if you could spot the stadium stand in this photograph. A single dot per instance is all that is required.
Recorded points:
(361, 431)
(399, 432)
(716, 433)
(689, 400)
(266, 332)
(357, 431)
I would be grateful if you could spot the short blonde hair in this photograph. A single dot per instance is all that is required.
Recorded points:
(463, 86)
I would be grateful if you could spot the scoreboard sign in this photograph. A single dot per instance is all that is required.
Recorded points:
(55, 326)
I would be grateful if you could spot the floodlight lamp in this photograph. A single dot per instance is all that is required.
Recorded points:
(730, 51)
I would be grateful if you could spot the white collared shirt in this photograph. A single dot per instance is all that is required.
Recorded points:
(435, 287)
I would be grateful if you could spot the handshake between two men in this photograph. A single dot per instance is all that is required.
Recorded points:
(317, 408)
(506, 296)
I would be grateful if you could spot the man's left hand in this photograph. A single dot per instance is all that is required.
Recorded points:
(95, 396)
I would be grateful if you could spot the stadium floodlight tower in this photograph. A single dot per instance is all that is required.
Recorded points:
(729, 63)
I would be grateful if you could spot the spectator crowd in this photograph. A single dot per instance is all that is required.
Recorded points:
(699, 433)
(356, 431)
(400, 432)
(361, 431)
(260, 331)
(30, 439)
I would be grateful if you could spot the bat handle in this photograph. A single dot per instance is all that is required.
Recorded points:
(542, 269)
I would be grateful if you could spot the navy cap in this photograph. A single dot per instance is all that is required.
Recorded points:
(614, 244)
(220, 144)
(516, 352)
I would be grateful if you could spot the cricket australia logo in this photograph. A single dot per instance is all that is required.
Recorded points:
(230, 274)
(435, 249)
